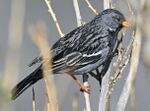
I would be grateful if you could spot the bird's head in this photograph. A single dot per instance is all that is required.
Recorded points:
(114, 20)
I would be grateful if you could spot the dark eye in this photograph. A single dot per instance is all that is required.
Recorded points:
(118, 19)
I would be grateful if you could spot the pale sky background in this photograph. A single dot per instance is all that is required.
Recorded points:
(36, 10)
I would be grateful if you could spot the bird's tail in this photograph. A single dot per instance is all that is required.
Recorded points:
(27, 82)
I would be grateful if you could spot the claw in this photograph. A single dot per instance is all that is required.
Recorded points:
(86, 89)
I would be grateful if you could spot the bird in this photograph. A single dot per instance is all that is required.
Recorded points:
(81, 51)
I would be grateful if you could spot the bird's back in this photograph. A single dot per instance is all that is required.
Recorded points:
(89, 44)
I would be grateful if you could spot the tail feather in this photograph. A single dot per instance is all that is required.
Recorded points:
(27, 82)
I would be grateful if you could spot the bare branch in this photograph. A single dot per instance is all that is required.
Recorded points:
(48, 3)
(107, 4)
(91, 7)
(33, 99)
(85, 77)
(103, 99)
(77, 11)
(133, 99)
(129, 7)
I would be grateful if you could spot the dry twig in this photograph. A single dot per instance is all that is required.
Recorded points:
(91, 7)
(48, 3)
(77, 12)
(85, 77)
(33, 99)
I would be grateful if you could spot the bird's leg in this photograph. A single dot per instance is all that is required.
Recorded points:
(99, 75)
(82, 87)
(95, 75)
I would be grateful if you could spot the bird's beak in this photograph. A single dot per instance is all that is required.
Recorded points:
(126, 24)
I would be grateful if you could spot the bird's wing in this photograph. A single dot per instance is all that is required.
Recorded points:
(58, 49)
(80, 59)
(77, 59)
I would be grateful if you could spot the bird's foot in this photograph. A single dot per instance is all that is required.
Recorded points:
(85, 89)
(95, 75)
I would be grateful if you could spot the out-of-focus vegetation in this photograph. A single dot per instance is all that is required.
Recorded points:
(145, 29)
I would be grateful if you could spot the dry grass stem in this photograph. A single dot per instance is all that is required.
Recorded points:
(85, 77)
(77, 12)
(91, 7)
(14, 43)
(129, 7)
(75, 102)
(33, 100)
(107, 4)
(133, 99)
(104, 104)
(12, 59)
(48, 3)
(39, 35)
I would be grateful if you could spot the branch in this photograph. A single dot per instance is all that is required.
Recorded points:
(104, 104)
(77, 11)
(91, 7)
(107, 4)
(33, 99)
(48, 3)
(85, 77)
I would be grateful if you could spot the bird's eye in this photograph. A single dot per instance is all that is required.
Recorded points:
(118, 19)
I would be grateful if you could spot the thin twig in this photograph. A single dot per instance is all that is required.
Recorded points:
(75, 102)
(85, 77)
(33, 99)
(130, 7)
(77, 12)
(107, 4)
(91, 7)
(48, 3)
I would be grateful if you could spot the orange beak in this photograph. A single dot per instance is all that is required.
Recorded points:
(126, 24)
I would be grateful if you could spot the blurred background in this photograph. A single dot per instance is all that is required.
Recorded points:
(17, 50)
